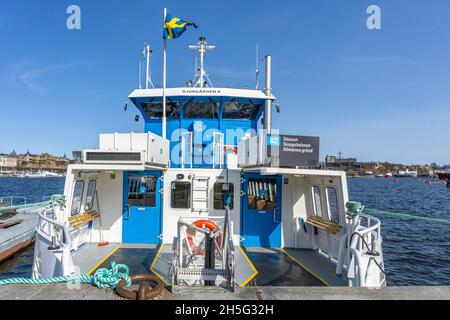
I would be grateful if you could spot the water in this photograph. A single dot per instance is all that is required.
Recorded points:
(34, 189)
(415, 252)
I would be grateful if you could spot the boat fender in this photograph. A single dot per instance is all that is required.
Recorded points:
(203, 224)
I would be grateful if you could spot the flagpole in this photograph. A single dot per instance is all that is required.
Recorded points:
(164, 85)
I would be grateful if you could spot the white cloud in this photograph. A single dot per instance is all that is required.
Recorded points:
(28, 75)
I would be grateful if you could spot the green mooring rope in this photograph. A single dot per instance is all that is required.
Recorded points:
(103, 278)
(55, 200)
(405, 216)
(356, 208)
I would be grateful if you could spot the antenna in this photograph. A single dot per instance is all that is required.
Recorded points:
(148, 79)
(201, 76)
(257, 66)
(140, 67)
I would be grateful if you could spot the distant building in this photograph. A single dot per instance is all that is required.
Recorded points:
(45, 161)
(32, 162)
(8, 163)
(344, 163)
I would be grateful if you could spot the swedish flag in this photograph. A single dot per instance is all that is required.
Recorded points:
(175, 27)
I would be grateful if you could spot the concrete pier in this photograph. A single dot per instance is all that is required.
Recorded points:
(88, 292)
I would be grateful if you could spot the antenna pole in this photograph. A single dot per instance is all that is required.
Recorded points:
(202, 70)
(257, 66)
(147, 75)
(140, 74)
(164, 84)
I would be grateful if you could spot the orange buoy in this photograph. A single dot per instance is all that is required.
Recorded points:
(203, 223)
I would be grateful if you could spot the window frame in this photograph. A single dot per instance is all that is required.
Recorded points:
(216, 112)
(172, 193)
(328, 204)
(72, 212)
(257, 109)
(93, 195)
(152, 195)
(144, 104)
(214, 194)
(314, 201)
(257, 189)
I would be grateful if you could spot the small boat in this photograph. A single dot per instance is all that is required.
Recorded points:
(388, 175)
(405, 174)
(443, 175)
(17, 227)
(40, 174)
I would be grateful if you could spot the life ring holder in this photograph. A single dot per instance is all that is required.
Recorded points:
(200, 224)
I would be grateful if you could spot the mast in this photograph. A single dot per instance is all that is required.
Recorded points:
(268, 92)
(164, 85)
(201, 77)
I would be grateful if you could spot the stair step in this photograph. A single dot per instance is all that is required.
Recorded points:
(201, 290)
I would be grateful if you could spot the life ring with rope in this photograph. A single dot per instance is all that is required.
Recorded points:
(203, 223)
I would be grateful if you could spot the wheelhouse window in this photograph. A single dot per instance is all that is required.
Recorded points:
(262, 194)
(77, 197)
(180, 195)
(90, 195)
(223, 192)
(199, 110)
(333, 211)
(317, 201)
(242, 111)
(142, 191)
(154, 110)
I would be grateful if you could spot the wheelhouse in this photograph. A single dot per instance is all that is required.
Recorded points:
(209, 195)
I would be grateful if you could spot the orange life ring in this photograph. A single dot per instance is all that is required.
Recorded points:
(199, 224)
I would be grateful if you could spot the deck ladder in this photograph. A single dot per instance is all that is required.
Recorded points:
(200, 194)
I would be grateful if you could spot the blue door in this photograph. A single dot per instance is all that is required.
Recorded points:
(142, 207)
(261, 214)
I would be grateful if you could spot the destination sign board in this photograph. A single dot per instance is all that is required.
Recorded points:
(293, 151)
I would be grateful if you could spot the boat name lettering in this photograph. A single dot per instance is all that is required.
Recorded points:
(205, 91)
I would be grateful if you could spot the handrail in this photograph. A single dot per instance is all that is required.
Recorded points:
(11, 198)
(187, 269)
(361, 236)
(65, 241)
(364, 231)
(361, 279)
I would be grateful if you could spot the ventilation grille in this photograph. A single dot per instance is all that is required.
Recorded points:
(92, 156)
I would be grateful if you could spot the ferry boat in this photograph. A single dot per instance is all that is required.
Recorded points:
(209, 196)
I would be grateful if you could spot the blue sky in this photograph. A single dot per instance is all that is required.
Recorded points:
(375, 95)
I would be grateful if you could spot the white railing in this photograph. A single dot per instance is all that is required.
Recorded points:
(52, 256)
(12, 201)
(51, 230)
(190, 267)
(366, 267)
